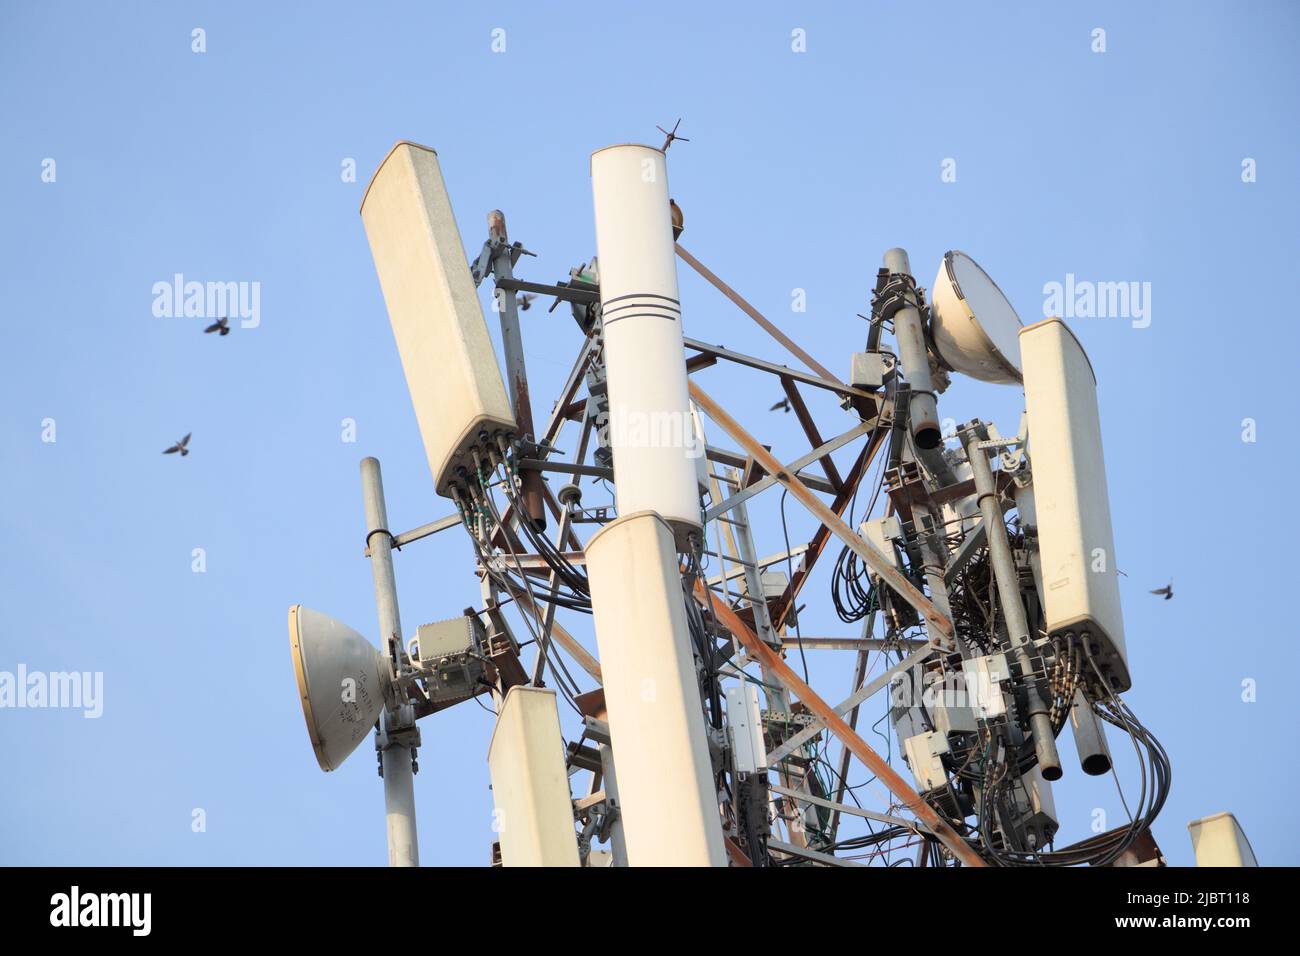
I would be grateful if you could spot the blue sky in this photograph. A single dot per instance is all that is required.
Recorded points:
(803, 168)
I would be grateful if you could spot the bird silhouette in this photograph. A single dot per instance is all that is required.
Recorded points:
(783, 405)
(179, 447)
(672, 135)
(525, 301)
(221, 326)
(1167, 590)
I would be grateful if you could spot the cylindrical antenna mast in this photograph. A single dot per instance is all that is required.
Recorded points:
(396, 728)
(650, 428)
(915, 357)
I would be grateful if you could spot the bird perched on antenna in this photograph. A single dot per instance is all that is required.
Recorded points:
(679, 221)
(782, 406)
(221, 326)
(672, 135)
(180, 446)
(1167, 590)
(525, 301)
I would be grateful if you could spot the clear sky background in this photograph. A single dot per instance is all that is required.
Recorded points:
(802, 169)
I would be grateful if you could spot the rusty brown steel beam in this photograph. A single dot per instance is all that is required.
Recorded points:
(757, 316)
(738, 856)
(938, 622)
(775, 665)
(810, 430)
(574, 411)
(699, 362)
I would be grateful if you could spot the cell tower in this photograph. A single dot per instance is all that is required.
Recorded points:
(981, 574)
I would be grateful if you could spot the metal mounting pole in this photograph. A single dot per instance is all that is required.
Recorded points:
(933, 556)
(617, 841)
(512, 342)
(915, 355)
(778, 701)
(1013, 611)
(397, 735)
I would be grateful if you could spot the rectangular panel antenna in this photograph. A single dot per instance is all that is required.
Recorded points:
(451, 368)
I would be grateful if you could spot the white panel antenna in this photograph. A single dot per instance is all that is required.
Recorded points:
(451, 368)
(1075, 537)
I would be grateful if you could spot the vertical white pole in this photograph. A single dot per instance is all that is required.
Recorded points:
(399, 804)
(395, 752)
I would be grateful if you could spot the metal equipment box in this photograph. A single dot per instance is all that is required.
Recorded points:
(456, 635)
(881, 533)
(926, 764)
(1036, 806)
(451, 654)
(983, 677)
(949, 720)
(745, 720)
(869, 370)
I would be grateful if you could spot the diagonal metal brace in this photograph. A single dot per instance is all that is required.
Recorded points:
(938, 622)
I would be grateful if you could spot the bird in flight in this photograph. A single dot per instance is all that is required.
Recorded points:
(783, 405)
(221, 326)
(1167, 590)
(525, 301)
(180, 446)
(672, 135)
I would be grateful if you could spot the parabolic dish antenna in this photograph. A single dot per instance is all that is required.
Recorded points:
(975, 329)
(341, 683)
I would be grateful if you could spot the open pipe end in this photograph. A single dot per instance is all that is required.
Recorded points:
(927, 437)
(1094, 765)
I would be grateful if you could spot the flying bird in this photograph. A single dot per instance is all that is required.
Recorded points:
(179, 447)
(222, 326)
(525, 301)
(1167, 590)
(672, 135)
(783, 405)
